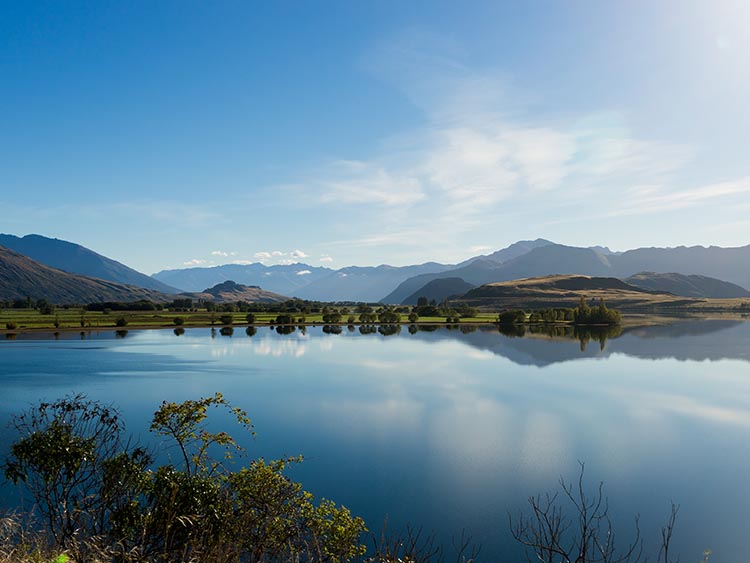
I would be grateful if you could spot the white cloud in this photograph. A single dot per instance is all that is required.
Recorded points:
(281, 258)
(194, 262)
(482, 154)
(325, 258)
(219, 253)
(304, 272)
(242, 262)
(361, 182)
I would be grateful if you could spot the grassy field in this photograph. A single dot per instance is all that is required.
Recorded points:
(22, 320)
(69, 319)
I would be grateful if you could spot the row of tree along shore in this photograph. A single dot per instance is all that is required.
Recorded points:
(26, 314)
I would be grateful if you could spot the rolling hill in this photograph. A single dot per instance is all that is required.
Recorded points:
(566, 291)
(22, 277)
(230, 291)
(77, 259)
(688, 285)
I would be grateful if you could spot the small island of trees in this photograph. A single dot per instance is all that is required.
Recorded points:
(579, 316)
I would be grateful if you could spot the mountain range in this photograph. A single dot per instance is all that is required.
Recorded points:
(723, 264)
(688, 271)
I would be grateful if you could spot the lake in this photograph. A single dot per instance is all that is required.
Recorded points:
(451, 429)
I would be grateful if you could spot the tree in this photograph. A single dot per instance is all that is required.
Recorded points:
(226, 319)
(574, 526)
(250, 318)
(72, 457)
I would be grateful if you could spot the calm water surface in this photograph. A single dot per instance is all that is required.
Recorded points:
(448, 430)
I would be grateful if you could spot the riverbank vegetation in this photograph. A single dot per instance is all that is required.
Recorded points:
(584, 314)
(29, 315)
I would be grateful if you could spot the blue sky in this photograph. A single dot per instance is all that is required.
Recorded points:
(171, 133)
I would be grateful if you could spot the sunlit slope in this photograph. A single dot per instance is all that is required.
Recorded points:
(566, 291)
(22, 277)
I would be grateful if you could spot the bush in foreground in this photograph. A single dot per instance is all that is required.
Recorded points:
(97, 493)
(98, 497)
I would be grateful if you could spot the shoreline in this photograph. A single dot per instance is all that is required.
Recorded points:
(629, 321)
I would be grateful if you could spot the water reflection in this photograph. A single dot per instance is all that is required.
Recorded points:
(451, 428)
(544, 345)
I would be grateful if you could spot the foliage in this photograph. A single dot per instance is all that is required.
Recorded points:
(121, 321)
(226, 319)
(332, 317)
(72, 457)
(389, 316)
(598, 315)
(93, 489)
(511, 317)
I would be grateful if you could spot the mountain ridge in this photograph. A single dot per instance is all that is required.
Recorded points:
(22, 277)
(77, 259)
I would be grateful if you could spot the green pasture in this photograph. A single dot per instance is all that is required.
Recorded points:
(76, 318)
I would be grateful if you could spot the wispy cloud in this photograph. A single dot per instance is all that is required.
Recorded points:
(483, 157)
(652, 199)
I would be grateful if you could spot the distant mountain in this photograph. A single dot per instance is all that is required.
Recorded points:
(363, 283)
(439, 290)
(282, 279)
(542, 260)
(22, 277)
(566, 291)
(730, 264)
(509, 253)
(354, 283)
(230, 291)
(688, 285)
(76, 259)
